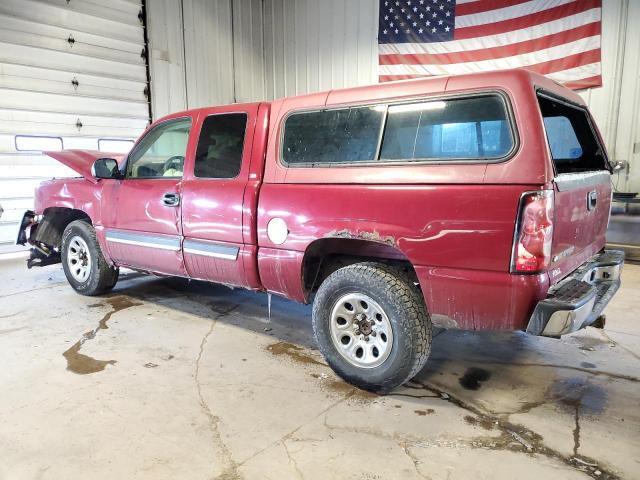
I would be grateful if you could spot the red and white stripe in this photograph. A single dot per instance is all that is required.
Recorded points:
(557, 38)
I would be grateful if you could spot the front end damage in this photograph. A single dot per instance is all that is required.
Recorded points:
(42, 236)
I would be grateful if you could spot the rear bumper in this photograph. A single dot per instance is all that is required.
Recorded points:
(578, 300)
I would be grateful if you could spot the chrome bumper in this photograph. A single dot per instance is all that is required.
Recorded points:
(578, 300)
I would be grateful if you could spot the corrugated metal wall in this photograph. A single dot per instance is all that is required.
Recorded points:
(288, 47)
(312, 46)
(71, 75)
(616, 105)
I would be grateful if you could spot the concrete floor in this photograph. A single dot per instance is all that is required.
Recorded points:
(160, 381)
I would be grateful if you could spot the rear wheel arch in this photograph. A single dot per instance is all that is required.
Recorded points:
(324, 256)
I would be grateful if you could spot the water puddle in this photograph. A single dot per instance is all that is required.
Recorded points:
(83, 364)
(473, 378)
(294, 352)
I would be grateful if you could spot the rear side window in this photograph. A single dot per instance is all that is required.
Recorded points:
(460, 129)
(219, 152)
(333, 136)
(474, 128)
(572, 141)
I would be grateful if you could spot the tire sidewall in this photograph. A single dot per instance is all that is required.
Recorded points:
(397, 366)
(82, 230)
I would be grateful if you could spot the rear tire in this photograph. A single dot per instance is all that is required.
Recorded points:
(84, 265)
(372, 326)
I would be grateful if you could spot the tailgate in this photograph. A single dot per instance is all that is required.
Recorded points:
(582, 193)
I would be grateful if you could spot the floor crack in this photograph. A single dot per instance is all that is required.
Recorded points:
(292, 432)
(231, 467)
(413, 458)
(529, 441)
(609, 339)
(617, 376)
(292, 460)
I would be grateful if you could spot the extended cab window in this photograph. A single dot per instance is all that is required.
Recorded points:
(441, 130)
(572, 140)
(474, 128)
(219, 153)
(161, 152)
(333, 136)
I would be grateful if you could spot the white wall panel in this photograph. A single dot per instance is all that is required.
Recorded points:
(208, 43)
(248, 47)
(166, 56)
(312, 46)
(615, 105)
(71, 70)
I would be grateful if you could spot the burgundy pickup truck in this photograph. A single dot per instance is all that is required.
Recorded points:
(474, 202)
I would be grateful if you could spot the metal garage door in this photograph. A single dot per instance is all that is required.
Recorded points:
(72, 75)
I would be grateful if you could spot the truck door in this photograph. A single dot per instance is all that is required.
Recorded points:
(141, 213)
(213, 216)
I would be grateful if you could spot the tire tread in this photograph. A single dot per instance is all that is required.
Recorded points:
(406, 298)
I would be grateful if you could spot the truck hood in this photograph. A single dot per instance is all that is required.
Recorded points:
(81, 161)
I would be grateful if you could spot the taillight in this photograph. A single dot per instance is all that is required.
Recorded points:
(534, 232)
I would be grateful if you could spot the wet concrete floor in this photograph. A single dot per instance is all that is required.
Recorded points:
(163, 380)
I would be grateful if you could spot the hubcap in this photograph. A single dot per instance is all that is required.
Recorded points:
(79, 259)
(361, 331)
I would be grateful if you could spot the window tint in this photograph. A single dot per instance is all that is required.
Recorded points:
(469, 128)
(219, 153)
(161, 152)
(333, 136)
(573, 144)
(462, 128)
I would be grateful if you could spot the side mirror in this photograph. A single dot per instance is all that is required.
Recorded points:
(105, 168)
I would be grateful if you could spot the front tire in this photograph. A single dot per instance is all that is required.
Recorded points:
(372, 326)
(84, 265)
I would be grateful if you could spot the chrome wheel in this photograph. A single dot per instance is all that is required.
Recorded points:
(79, 259)
(361, 331)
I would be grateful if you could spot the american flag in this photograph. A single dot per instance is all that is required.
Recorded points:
(557, 38)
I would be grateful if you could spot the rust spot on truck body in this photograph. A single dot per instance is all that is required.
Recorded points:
(363, 235)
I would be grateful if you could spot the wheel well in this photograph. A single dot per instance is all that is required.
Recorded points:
(54, 221)
(325, 256)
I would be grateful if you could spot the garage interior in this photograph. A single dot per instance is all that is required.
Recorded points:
(168, 379)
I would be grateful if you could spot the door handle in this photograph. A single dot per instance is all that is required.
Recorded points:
(592, 200)
(171, 199)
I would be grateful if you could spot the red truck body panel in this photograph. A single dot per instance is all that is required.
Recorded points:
(453, 223)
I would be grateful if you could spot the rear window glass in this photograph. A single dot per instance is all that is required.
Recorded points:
(572, 141)
(475, 128)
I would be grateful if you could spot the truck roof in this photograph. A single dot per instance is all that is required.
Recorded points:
(512, 79)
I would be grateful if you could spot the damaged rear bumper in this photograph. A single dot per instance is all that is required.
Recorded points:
(578, 300)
